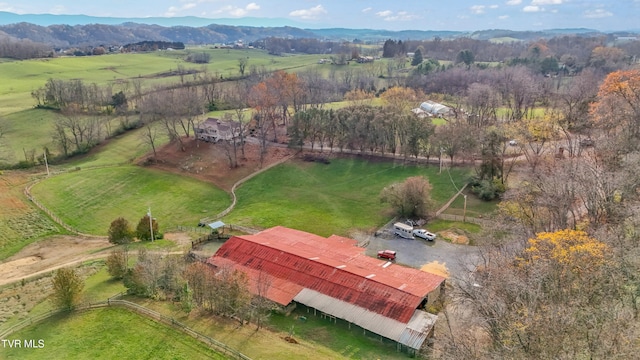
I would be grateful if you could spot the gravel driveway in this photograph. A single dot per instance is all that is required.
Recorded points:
(457, 259)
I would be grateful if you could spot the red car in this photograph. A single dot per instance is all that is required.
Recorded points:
(387, 254)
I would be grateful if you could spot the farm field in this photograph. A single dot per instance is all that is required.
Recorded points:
(115, 334)
(330, 199)
(89, 200)
(26, 128)
(19, 78)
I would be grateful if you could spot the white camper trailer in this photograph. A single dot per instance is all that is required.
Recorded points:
(403, 230)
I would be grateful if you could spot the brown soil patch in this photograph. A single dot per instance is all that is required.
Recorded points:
(209, 162)
(50, 254)
(436, 268)
(455, 238)
(11, 185)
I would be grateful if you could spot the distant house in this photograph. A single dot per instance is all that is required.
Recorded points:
(365, 59)
(431, 108)
(213, 130)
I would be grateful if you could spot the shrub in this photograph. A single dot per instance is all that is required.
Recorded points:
(487, 190)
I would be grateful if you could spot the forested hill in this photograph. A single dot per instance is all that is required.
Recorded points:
(131, 32)
(94, 34)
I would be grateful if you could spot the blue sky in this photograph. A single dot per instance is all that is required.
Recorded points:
(461, 15)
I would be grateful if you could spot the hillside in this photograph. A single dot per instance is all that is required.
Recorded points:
(81, 30)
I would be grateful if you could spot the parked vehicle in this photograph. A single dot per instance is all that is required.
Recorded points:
(403, 230)
(588, 142)
(424, 234)
(387, 254)
(513, 143)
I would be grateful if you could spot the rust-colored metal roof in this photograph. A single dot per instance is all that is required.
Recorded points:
(332, 266)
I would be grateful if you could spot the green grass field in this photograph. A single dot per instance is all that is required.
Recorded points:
(89, 200)
(330, 199)
(109, 333)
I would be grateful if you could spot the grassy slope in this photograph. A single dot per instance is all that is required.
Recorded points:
(329, 199)
(119, 150)
(90, 199)
(20, 222)
(114, 333)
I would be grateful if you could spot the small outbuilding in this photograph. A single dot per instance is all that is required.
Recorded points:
(432, 108)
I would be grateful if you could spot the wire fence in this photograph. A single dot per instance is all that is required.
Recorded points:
(114, 301)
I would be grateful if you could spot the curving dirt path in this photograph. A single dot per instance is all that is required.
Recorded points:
(51, 254)
(62, 251)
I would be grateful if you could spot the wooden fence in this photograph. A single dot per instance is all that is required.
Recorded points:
(461, 218)
(212, 343)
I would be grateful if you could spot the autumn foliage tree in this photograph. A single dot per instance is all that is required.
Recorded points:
(120, 231)
(411, 198)
(117, 263)
(67, 287)
(617, 107)
(143, 230)
(558, 296)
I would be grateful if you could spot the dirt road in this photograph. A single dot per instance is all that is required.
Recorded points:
(51, 254)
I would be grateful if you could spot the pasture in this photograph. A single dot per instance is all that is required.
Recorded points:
(29, 129)
(89, 200)
(20, 222)
(108, 333)
(331, 199)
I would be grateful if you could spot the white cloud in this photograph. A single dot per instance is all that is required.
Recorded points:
(532, 8)
(503, 17)
(597, 14)
(367, 9)
(493, 6)
(174, 10)
(237, 11)
(477, 9)
(546, 2)
(312, 13)
(389, 15)
(514, 2)
(58, 9)
(6, 7)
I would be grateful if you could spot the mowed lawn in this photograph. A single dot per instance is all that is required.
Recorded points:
(330, 199)
(90, 199)
(109, 333)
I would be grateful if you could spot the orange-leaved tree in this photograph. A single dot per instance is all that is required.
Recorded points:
(618, 103)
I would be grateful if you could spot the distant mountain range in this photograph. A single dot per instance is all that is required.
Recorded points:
(7, 18)
(82, 30)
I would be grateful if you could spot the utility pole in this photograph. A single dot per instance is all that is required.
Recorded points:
(46, 163)
(150, 223)
(464, 212)
(440, 172)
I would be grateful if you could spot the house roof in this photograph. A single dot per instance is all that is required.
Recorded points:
(217, 124)
(216, 225)
(294, 260)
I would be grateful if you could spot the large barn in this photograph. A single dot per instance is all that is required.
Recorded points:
(334, 277)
